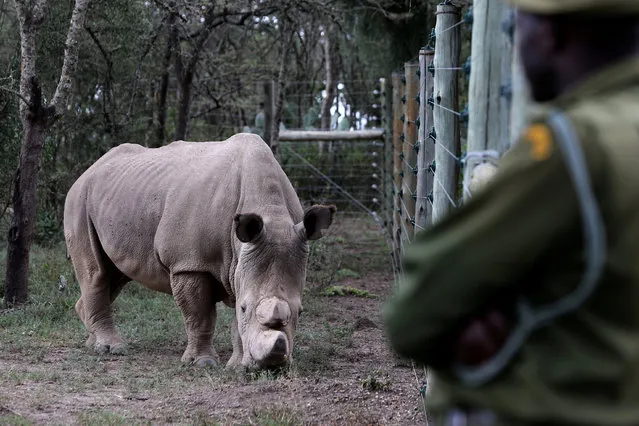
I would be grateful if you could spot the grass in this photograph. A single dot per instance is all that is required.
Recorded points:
(338, 290)
(48, 338)
(102, 417)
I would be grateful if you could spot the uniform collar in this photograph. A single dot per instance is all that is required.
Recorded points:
(621, 74)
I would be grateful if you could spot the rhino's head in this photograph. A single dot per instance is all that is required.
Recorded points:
(269, 279)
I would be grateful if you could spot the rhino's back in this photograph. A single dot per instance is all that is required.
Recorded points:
(172, 207)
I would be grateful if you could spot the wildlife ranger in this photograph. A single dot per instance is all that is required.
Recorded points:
(524, 302)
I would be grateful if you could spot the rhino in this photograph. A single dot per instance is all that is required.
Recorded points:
(205, 222)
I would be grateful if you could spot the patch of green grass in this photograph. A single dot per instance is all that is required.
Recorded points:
(275, 416)
(13, 420)
(346, 273)
(338, 290)
(102, 417)
(376, 381)
(49, 317)
(339, 334)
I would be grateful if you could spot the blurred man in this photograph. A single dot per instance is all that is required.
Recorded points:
(525, 301)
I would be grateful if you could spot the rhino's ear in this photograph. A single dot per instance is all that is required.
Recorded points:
(248, 226)
(316, 218)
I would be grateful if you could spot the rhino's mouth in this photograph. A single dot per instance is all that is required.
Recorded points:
(270, 350)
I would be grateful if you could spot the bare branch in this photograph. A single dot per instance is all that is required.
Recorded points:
(14, 92)
(70, 63)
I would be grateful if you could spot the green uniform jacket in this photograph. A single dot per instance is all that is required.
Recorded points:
(523, 235)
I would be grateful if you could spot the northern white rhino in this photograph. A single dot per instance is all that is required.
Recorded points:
(205, 222)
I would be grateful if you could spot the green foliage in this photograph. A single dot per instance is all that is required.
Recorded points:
(338, 290)
(346, 273)
(375, 382)
(10, 135)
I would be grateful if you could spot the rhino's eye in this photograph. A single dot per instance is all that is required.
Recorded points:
(243, 309)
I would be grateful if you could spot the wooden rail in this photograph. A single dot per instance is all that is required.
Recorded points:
(332, 135)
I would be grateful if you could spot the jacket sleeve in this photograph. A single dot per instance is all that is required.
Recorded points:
(482, 251)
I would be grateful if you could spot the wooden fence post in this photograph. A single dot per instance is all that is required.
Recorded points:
(397, 147)
(426, 154)
(521, 95)
(490, 91)
(446, 110)
(409, 150)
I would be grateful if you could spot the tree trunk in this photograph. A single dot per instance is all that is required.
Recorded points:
(36, 118)
(331, 52)
(184, 105)
(164, 84)
(279, 101)
(24, 213)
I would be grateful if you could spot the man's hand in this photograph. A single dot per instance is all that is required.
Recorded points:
(482, 338)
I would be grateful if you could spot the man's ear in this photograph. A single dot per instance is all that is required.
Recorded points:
(316, 218)
(248, 226)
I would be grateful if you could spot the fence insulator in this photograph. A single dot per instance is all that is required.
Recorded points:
(433, 135)
(467, 66)
(464, 116)
(508, 26)
(468, 16)
(433, 35)
(506, 90)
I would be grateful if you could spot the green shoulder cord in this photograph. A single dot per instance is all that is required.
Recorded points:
(530, 318)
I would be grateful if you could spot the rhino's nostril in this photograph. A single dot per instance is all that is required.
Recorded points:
(279, 347)
(275, 324)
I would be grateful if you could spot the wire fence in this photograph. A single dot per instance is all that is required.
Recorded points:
(433, 141)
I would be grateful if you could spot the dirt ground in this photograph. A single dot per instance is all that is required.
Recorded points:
(344, 372)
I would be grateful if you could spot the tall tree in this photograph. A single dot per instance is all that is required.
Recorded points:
(37, 116)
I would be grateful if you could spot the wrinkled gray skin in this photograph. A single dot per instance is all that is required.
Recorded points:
(205, 222)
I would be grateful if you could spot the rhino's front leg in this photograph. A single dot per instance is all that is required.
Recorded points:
(193, 293)
(236, 359)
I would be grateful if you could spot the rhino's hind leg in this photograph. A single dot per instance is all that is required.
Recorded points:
(94, 308)
(194, 295)
(100, 282)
